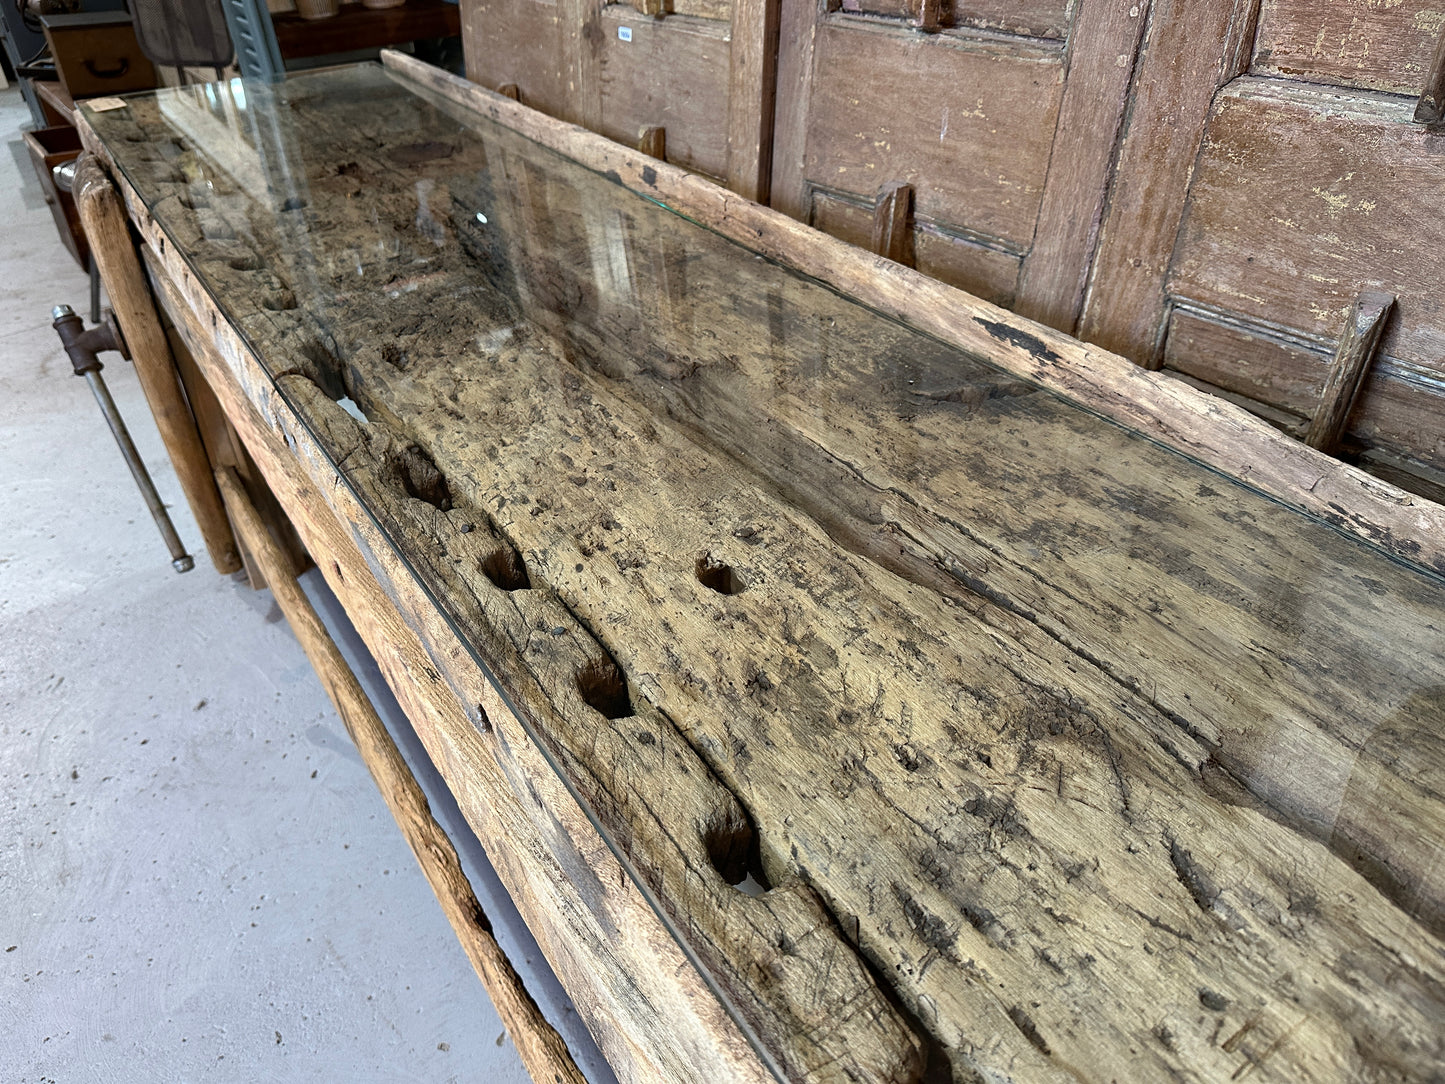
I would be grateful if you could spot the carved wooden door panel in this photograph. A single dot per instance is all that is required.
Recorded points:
(1000, 117)
(1312, 183)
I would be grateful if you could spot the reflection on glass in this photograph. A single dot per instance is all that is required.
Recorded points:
(1101, 759)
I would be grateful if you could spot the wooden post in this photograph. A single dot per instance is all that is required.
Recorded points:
(1430, 109)
(892, 220)
(652, 141)
(542, 1050)
(1352, 360)
(106, 226)
(930, 16)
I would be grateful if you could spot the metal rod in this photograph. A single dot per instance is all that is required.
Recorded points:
(94, 271)
(181, 561)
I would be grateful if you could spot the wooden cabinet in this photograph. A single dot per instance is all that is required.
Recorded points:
(1200, 185)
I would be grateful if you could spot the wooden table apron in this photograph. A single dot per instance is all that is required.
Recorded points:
(653, 1015)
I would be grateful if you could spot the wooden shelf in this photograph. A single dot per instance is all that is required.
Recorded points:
(358, 27)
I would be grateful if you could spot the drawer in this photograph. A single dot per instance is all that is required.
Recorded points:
(1357, 43)
(97, 53)
(50, 147)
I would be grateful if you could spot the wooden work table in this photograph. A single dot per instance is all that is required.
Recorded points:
(850, 680)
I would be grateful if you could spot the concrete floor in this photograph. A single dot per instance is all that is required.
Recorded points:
(198, 878)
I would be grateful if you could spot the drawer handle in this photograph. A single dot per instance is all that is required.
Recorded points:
(1430, 109)
(108, 73)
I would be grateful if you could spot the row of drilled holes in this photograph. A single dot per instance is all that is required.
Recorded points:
(600, 682)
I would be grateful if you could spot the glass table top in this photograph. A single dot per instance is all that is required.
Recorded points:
(1111, 766)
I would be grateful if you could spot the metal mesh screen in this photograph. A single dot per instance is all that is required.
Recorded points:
(182, 33)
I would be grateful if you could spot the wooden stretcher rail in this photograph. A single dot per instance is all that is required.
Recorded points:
(1215, 432)
(542, 1050)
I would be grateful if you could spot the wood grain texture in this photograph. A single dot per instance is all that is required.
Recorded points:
(752, 84)
(673, 74)
(1398, 411)
(1222, 436)
(892, 219)
(960, 614)
(1353, 355)
(519, 43)
(600, 936)
(1029, 18)
(1354, 43)
(1191, 48)
(103, 216)
(975, 147)
(987, 272)
(1289, 246)
(1430, 109)
(541, 1049)
(1097, 80)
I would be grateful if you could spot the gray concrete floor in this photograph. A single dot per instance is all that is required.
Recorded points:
(198, 879)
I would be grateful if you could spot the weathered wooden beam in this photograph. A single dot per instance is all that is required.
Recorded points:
(542, 1050)
(1353, 355)
(653, 8)
(892, 223)
(104, 219)
(652, 141)
(1430, 109)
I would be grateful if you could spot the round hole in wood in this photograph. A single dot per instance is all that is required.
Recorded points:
(719, 576)
(504, 567)
(603, 688)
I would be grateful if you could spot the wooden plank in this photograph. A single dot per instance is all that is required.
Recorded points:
(891, 220)
(1430, 109)
(1352, 361)
(975, 147)
(752, 80)
(1191, 48)
(1352, 43)
(673, 74)
(813, 1005)
(600, 936)
(103, 216)
(1304, 196)
(541, 1049)
(1146, 787)
(1215, 433)
(1099, 64)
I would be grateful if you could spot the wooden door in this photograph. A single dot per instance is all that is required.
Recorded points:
(692, 78)
(1272, 170)
(999, 116)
